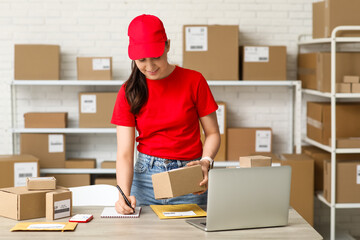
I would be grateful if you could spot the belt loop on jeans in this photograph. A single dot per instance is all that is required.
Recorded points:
(152, 159)
(179, 163)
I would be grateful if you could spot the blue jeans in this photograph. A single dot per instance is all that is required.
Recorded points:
(142, 187)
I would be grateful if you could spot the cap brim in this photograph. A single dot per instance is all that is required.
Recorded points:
(148, 50)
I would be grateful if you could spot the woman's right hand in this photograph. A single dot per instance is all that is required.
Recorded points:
(121, 206)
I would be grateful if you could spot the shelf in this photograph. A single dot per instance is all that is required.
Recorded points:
(77, 171)
(120, 82)
(328, 95)
(328, 148)
(320, 196)
(67, 82)
(110, 170)
(328, 40)
(64, 130)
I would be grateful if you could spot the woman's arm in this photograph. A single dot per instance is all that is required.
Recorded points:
(125, 167)
(211, 144)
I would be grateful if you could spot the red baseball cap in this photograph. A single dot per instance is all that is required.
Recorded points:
(147, 37)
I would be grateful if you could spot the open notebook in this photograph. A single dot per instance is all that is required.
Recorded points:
(110, 212)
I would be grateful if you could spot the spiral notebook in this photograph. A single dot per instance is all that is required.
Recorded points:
(110, 212)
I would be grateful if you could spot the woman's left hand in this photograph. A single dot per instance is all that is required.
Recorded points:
(205, 166)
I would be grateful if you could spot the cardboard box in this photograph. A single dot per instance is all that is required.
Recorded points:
(41, 183)
(71, 180)
(343, 87)
(263, 63)
(255, 161)
(247, 141)
(58, 204)
(352, 142)
(37, 62)
(49, 148)
(307, 70)
(315, 68)
(319, 121)
(221, 118)
(177, 182)
(14, 169)
(94, 68)
(108, 181)
(212, 50)
(347, 181)
(45, 120)
(302, 184)
(319, 157)
(332, 13)
(355, 88)
(95, 109)
(351, 79)
(18, 203)
(318, 19)
(80, 163)
(108, 164)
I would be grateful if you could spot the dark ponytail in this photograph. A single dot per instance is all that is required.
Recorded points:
(136, 90)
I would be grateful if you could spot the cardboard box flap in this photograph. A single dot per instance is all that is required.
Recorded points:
(163, 185)
(19, 158)
(9, 205)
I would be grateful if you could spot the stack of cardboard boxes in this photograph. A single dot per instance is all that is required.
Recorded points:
(214, 51)
(314, 68)
(39, 198)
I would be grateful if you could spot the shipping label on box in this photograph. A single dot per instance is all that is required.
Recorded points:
(263, 141)
(23, 170)
(88, 103)
(220, 113)
(58, 204)
(358, 174)
(56, 143)
(99, 64)
(256, 54)
(196, 39)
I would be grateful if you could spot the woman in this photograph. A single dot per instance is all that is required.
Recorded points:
(165, 103)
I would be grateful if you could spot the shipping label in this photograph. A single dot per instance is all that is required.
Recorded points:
(357, 174)
(256, 54)
(263, 141)
(100, 64)
(220, 113)
(23, 171)
(196, 39)
(179, 214)
(62, 209)
(88, 103)
(56, 143)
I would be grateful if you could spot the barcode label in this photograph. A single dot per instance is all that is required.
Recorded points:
(263, 141)
(24, 175)
(62, 209)
(88, 103)
(24, 170)
(256, 54)
(196, 39)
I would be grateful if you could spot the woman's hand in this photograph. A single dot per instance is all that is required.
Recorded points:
(121, 206)
(205, 166)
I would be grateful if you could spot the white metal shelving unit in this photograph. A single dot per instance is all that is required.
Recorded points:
(333, 97)
(295, 135)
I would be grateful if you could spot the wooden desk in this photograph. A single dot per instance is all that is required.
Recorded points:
(149, 226)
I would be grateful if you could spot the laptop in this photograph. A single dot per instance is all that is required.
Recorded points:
(240, 198)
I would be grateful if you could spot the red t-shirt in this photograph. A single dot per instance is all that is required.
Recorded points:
(168, 123)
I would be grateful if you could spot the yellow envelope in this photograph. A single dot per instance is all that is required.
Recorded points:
(178, 211)
(44, 226)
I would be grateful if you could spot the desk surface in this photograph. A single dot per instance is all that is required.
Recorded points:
(149, 226)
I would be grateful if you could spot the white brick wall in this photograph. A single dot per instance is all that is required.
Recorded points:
(99, 28)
